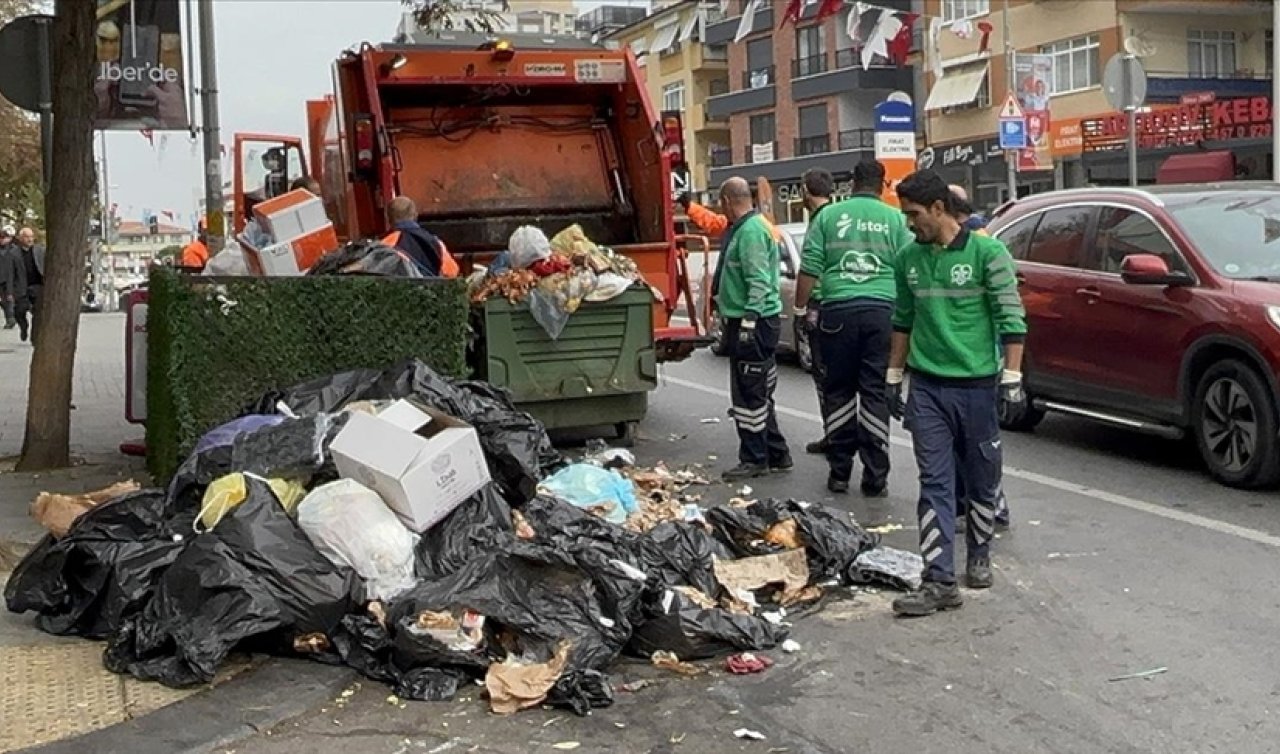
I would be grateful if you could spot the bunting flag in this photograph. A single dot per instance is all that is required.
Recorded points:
(167, 213)
(829, 8)
(935, 47)
(899, 46)
(984, 43)
(748, 20)
(149, 135)
(887, 27)
(792, 12)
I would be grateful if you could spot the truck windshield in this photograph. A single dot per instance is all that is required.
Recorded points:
(1237, 232)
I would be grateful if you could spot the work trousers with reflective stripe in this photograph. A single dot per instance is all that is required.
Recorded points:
(855, 352)
(817, 366)
(753, 378)
(956, 434)
(962, 501)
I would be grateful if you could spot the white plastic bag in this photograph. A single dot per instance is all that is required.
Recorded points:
(528, 245)
(351, 526)
(228, 262)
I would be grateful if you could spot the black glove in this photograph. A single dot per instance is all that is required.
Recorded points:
(1012, 397)
(894, 379)
(748, 348)
(684, 200)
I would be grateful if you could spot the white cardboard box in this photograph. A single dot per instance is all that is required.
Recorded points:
(422, 462)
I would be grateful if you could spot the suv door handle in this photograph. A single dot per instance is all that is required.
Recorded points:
(1089, 290)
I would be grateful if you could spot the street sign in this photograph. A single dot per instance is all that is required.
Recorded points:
(1011, 109)
(1013, 133)
(1124, 82)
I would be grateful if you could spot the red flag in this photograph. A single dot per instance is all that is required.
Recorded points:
(985, 27)
(167, 214)
(792, 12)
(900, 46)
(149, 136)
(829, 8)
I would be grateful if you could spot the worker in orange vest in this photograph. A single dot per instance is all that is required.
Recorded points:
(415, 243)
(195, 255)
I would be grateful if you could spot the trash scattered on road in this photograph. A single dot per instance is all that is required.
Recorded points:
(57, 513)
(747, 733)
(746, 663)
(601, 491)
(790, 646)
(677, 739)
(887, 567)
(633, 686)
(669, 661)
(1141, 674)
(515, 684)
(711, 420)
(1033, 523)
(566, 745)
(884, 528)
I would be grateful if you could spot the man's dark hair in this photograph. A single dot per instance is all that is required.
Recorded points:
(960, 206)
(818, 182)
(868, 175)
(924, 187)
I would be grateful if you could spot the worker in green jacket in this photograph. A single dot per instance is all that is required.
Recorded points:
(750, 300)
(957, 311)
(850, 251)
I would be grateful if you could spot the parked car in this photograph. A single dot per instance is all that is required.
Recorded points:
(1158, 310)
(793, 342)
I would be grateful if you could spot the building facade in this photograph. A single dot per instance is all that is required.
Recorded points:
(681, 74)
(605, 20)
(799, 97)
(1198, 55)
(551, 17)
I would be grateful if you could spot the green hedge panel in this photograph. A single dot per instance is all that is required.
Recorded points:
(215, 344)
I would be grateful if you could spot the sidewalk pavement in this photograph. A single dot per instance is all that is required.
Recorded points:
(54, 687)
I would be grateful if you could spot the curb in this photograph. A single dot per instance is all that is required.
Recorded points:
(242, 707)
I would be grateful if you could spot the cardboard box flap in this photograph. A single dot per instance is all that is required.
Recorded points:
(419, 418)
(364, 432)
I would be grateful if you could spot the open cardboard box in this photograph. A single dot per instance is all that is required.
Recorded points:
(422, 462)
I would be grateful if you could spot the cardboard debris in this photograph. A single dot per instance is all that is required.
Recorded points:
(514, 685)
(788, 570)
(784, 534)
(56, 513)
(697, 597)
(668, 661)
(311, 644)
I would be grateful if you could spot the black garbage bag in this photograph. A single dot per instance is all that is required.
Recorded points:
(479, 526)
(581, 691)
(104, 570)
(676, 624)
(294, 448)
(680, 553)
(365, 257)
(254, 576)
(888, 567)
(360, 642)
(516, 445)
(429, 685)
(832, 541)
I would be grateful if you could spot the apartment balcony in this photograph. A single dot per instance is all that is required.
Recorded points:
(832, 74)
(1170, 86)
(757, 92)
(710, 122)
(721, 157)
(835, 152)
(722, 32)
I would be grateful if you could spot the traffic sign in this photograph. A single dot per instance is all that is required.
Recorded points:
(1124, 82)
(1011, 108)
(1013, 133)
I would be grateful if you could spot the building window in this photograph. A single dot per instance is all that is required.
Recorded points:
(1270, 46)
(673, 96)
(759, 63)
(954, 10)
(715, 52)
(811, 51)
(1075, 64)
(1211, 54)
(812, 125)
(763, 130)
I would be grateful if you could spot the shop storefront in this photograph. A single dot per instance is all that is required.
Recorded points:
(1240, 126)
(979, 166)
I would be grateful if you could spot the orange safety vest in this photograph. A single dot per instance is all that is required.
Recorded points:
(194, 254)
(448, 265)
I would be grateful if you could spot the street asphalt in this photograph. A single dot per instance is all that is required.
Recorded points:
(1124, 558)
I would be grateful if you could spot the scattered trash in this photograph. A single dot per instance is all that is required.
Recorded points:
(745, 490)
(669, 661)
(677, 437)
(610, 458)
(603, 492)
(57, 513)
(888, 567)
(749, 734)
(351, 526)
(745, 663)
(633, 686)
(514, 685)
(790, 646)
(674, 739)
(884, 528)
(1033, 523)
(1141, 674)
(1065, 555)
(711, 420)
(789, 571)
(566, 745)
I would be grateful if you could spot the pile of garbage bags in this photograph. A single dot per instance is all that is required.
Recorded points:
(554, 276)
(257, 545)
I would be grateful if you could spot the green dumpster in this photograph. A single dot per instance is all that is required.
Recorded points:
(597, 373)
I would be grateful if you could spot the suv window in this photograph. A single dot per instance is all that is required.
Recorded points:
(1059, 239)
(1122, 232)
(1017, 237)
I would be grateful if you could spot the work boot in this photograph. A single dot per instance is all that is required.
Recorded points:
(22, 334)
(817, 447)
(838, 486)
(782, 465)
(10, 325)
(978, 574)
(874, 490)
(931, 597)
(745, 471)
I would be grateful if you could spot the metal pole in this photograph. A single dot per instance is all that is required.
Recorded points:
(1010, 156)
(1131, 118)
(46, 104)
(104, 242)
(1275, 97)
(212, 141)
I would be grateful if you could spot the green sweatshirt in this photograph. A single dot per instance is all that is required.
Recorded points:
(751, 281)
(851, 248)
(955, 301)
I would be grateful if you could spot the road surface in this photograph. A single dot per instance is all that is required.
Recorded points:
(1123, 558)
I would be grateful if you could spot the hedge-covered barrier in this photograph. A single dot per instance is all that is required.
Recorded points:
(216, 344)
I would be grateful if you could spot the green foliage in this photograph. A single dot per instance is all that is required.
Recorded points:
(436, 16)
(169, 254)
(215, 345)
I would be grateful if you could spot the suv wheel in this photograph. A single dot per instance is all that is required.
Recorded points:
(1234, 421)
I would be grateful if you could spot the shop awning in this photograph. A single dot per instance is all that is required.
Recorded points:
(957, 87)
(666, 37)
(1198, 167)
(639, 46)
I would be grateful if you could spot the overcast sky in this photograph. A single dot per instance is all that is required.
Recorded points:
(273, 55)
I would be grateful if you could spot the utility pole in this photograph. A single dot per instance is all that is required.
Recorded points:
(1010, 72)
(104, 242)
(215, 222)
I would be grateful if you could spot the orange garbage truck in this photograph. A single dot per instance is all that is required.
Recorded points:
(486, 136)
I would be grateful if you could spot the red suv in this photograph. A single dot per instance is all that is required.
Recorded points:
(1156, 309)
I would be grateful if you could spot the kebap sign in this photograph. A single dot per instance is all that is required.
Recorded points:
(140, 78)
(1183, 125)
